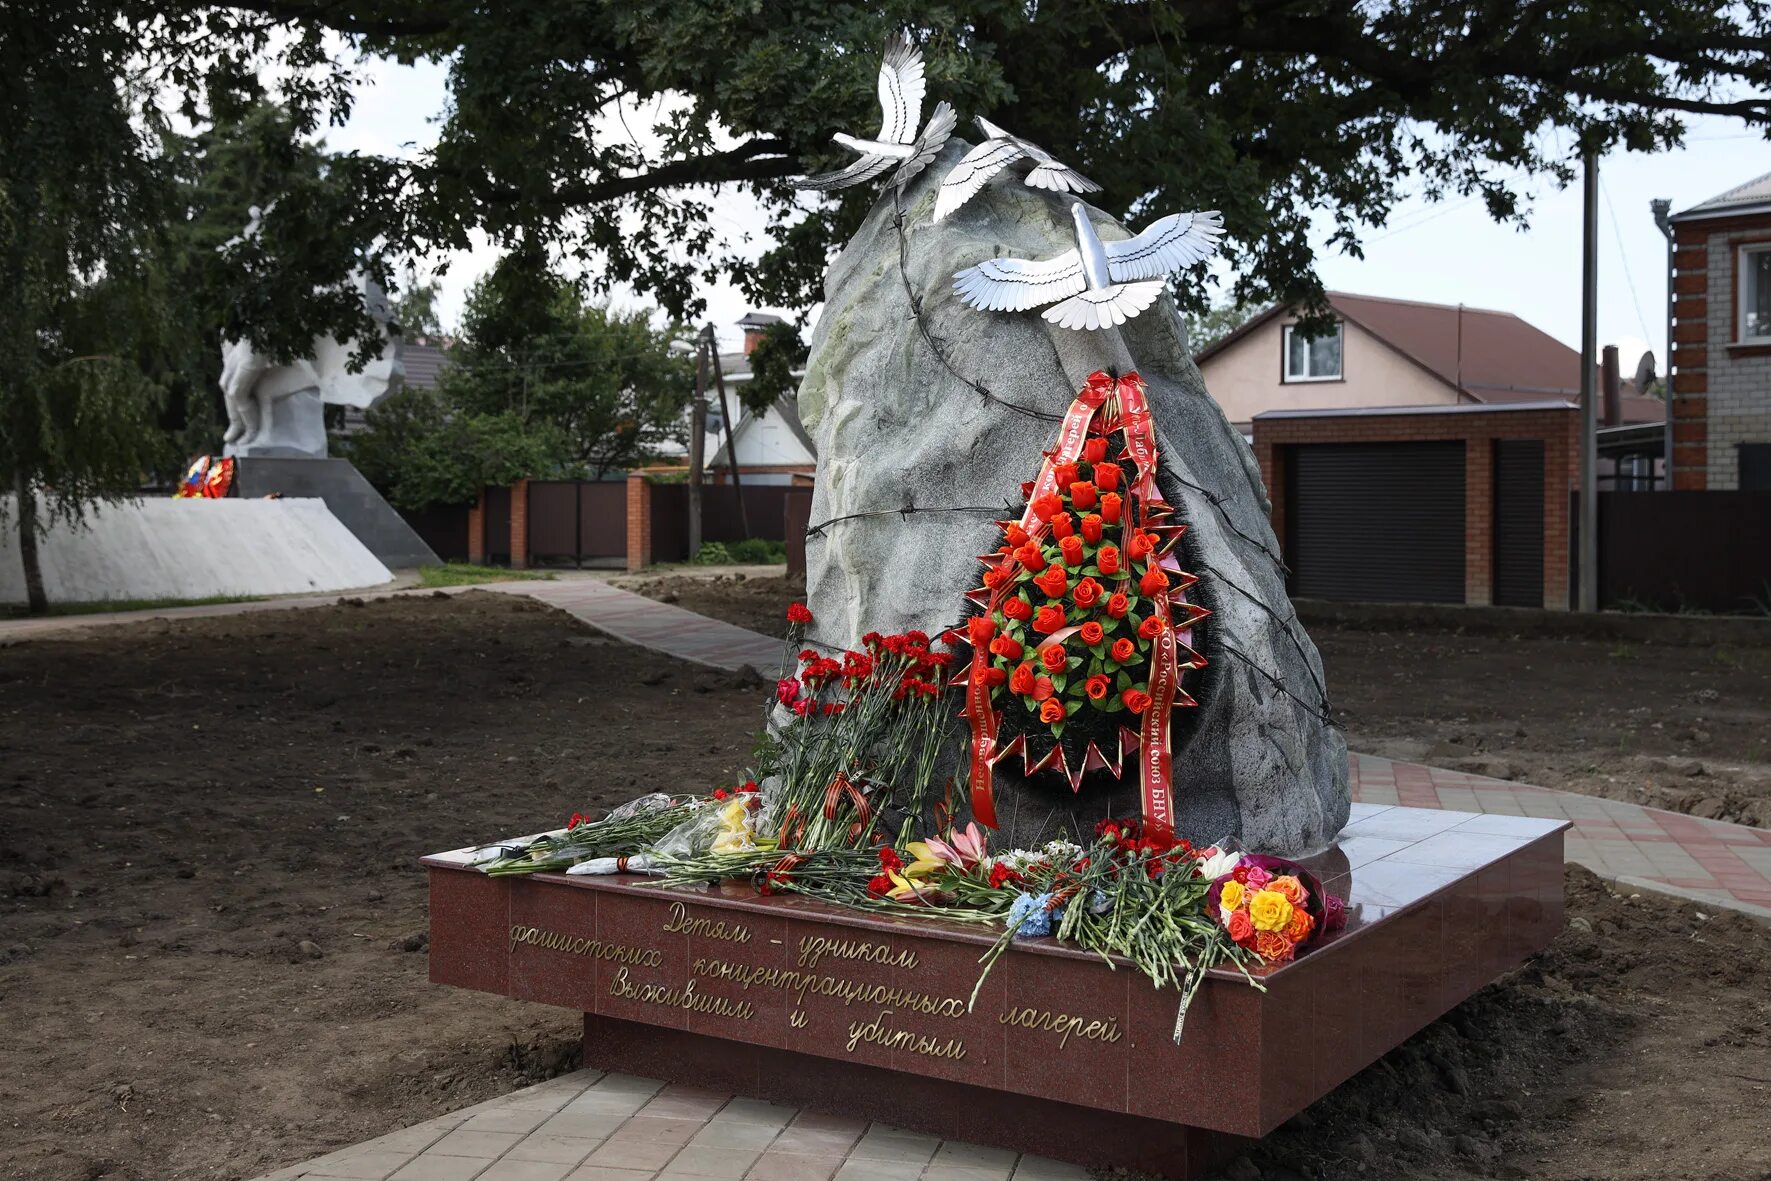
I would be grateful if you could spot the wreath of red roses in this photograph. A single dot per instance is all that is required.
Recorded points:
(1083, 607)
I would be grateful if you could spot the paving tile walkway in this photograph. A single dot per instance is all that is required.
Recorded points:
(652, 624)
(1708, 861)
(621, 613)
(590, 1126)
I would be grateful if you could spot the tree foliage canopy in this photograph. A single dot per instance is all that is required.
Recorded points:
(421, 451)
(85, 318)
(600, 127)
(777, 356)
(540, 384)
(607, 382)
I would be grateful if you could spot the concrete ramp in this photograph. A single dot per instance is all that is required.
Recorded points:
(193, 549)
(352, 499)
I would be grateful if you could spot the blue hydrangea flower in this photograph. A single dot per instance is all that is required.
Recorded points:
(1029, 916)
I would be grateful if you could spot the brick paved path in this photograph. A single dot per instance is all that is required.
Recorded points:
(652, 624)
(1704, 860)
(590, 1126)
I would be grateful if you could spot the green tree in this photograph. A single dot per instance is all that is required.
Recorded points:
(415, 307)
(420, 452)
(605, 382)
(250, 157)
(81, 219)
(1271, 111)
(1210, 325)
(773, 361)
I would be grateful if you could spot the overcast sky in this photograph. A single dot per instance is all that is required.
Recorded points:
(1446, 253)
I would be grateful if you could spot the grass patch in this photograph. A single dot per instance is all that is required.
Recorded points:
(465, 574)
(110, 606)
(751, 552)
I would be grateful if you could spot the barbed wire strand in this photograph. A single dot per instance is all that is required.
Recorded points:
(1286, 625)
(928, 335)
(998, 511)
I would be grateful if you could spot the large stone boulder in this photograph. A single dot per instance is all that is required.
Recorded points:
(898, 422)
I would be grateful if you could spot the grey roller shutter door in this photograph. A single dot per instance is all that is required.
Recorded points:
(1376, 522)
(1518, 522)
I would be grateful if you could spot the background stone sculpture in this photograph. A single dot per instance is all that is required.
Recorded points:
(897, 420)
(278, 410)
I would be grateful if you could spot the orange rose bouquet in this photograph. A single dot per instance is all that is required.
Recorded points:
(1270, 907)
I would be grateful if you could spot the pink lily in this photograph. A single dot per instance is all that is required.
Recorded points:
(962, 850)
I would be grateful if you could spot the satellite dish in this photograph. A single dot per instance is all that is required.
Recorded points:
(1645, 375)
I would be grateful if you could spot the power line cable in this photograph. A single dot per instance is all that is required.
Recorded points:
(1624, 257)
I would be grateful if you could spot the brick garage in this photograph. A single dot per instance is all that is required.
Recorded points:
(1482, 431)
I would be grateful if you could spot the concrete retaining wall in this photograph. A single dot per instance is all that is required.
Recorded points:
(193, 549)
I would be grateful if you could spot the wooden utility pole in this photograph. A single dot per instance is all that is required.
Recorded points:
(697, 452)
(725, 413)
(1588, 564)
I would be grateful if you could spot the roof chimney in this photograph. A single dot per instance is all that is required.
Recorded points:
(1608, 383)
(756, 325)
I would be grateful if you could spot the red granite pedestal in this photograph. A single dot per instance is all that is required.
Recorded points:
(1062, 1054)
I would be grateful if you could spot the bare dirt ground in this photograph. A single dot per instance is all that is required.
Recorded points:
(208, 834)
(1681, 723)
(211, 948)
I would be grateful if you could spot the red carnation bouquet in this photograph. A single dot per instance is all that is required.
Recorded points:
(1084, 629)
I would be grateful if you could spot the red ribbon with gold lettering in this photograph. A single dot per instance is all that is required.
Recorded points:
(1155, 757)
(1072, 433)
(1155, 760)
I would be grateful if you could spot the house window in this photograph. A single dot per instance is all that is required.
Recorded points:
(1312, 358)
(1755, 293)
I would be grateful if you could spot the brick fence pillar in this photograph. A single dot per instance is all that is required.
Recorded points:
(519, 525)
(476, 531)
(639, 521)
(1479, 521)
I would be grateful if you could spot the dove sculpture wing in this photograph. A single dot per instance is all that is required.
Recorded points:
(928, 145)
(1098, 284)
(1019, 284)
(1000, 149)
(901, 89)
(968, 177)
(1166, 245)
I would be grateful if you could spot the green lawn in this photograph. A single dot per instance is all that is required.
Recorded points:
(107, 606)
(464, 574)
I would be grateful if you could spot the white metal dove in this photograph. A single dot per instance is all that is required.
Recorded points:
(1098, 284)
(901, 87)
(1000, 149)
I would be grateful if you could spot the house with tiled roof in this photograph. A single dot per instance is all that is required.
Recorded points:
(1721, 283)
(1396, 352)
